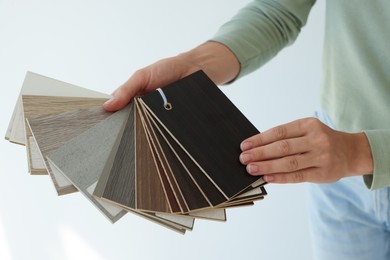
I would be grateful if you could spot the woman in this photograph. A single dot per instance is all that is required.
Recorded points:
(349, 214)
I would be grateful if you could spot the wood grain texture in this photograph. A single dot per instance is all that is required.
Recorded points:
(39, 85)
(52, 131)
(109, 162)
(182, 169)
(211, 214)
(121, 187)
(171, 190)
(151, 196)
(45, 105)
(120, 184)
(192, 180)
(82, 159)
(208, 126)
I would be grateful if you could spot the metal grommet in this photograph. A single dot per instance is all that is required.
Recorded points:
(168, 106)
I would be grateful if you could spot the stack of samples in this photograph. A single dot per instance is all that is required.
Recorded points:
(170, 156)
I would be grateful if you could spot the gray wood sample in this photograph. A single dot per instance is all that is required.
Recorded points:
(117, 182)
(132, 181)
(39, 85)
(52, 131)
(45, 105)
(82, 159)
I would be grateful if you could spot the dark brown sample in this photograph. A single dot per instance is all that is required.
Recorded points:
(208, 126)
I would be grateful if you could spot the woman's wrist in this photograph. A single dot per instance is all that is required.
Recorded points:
(215, 59)
(362, 161)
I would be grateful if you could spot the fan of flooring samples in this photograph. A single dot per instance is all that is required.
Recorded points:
(170, 156)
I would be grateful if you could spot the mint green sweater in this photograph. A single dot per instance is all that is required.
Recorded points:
(356, 62)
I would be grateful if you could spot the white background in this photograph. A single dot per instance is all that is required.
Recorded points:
(98, 44)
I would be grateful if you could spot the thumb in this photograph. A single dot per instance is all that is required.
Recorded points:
(125, 93)
(118, 100)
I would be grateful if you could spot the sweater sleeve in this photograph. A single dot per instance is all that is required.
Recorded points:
(380, 148)
(261, 29)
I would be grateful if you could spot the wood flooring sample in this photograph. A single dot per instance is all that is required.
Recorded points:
(171, 156)
(182, 173)
(82, 159)
(45, 105)
(38, 85)
(208, 126)
(52, 131)
(169, 186)
(199, 192)
(150, 194)
(119, 184)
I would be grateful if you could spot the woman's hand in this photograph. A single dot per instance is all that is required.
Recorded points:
(148, 79)
(215, 59)
(306, 150)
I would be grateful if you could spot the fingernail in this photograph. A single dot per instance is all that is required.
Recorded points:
(245, 157)
(252, 168)
(109, 101)
(246, 146)
(268, 178)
